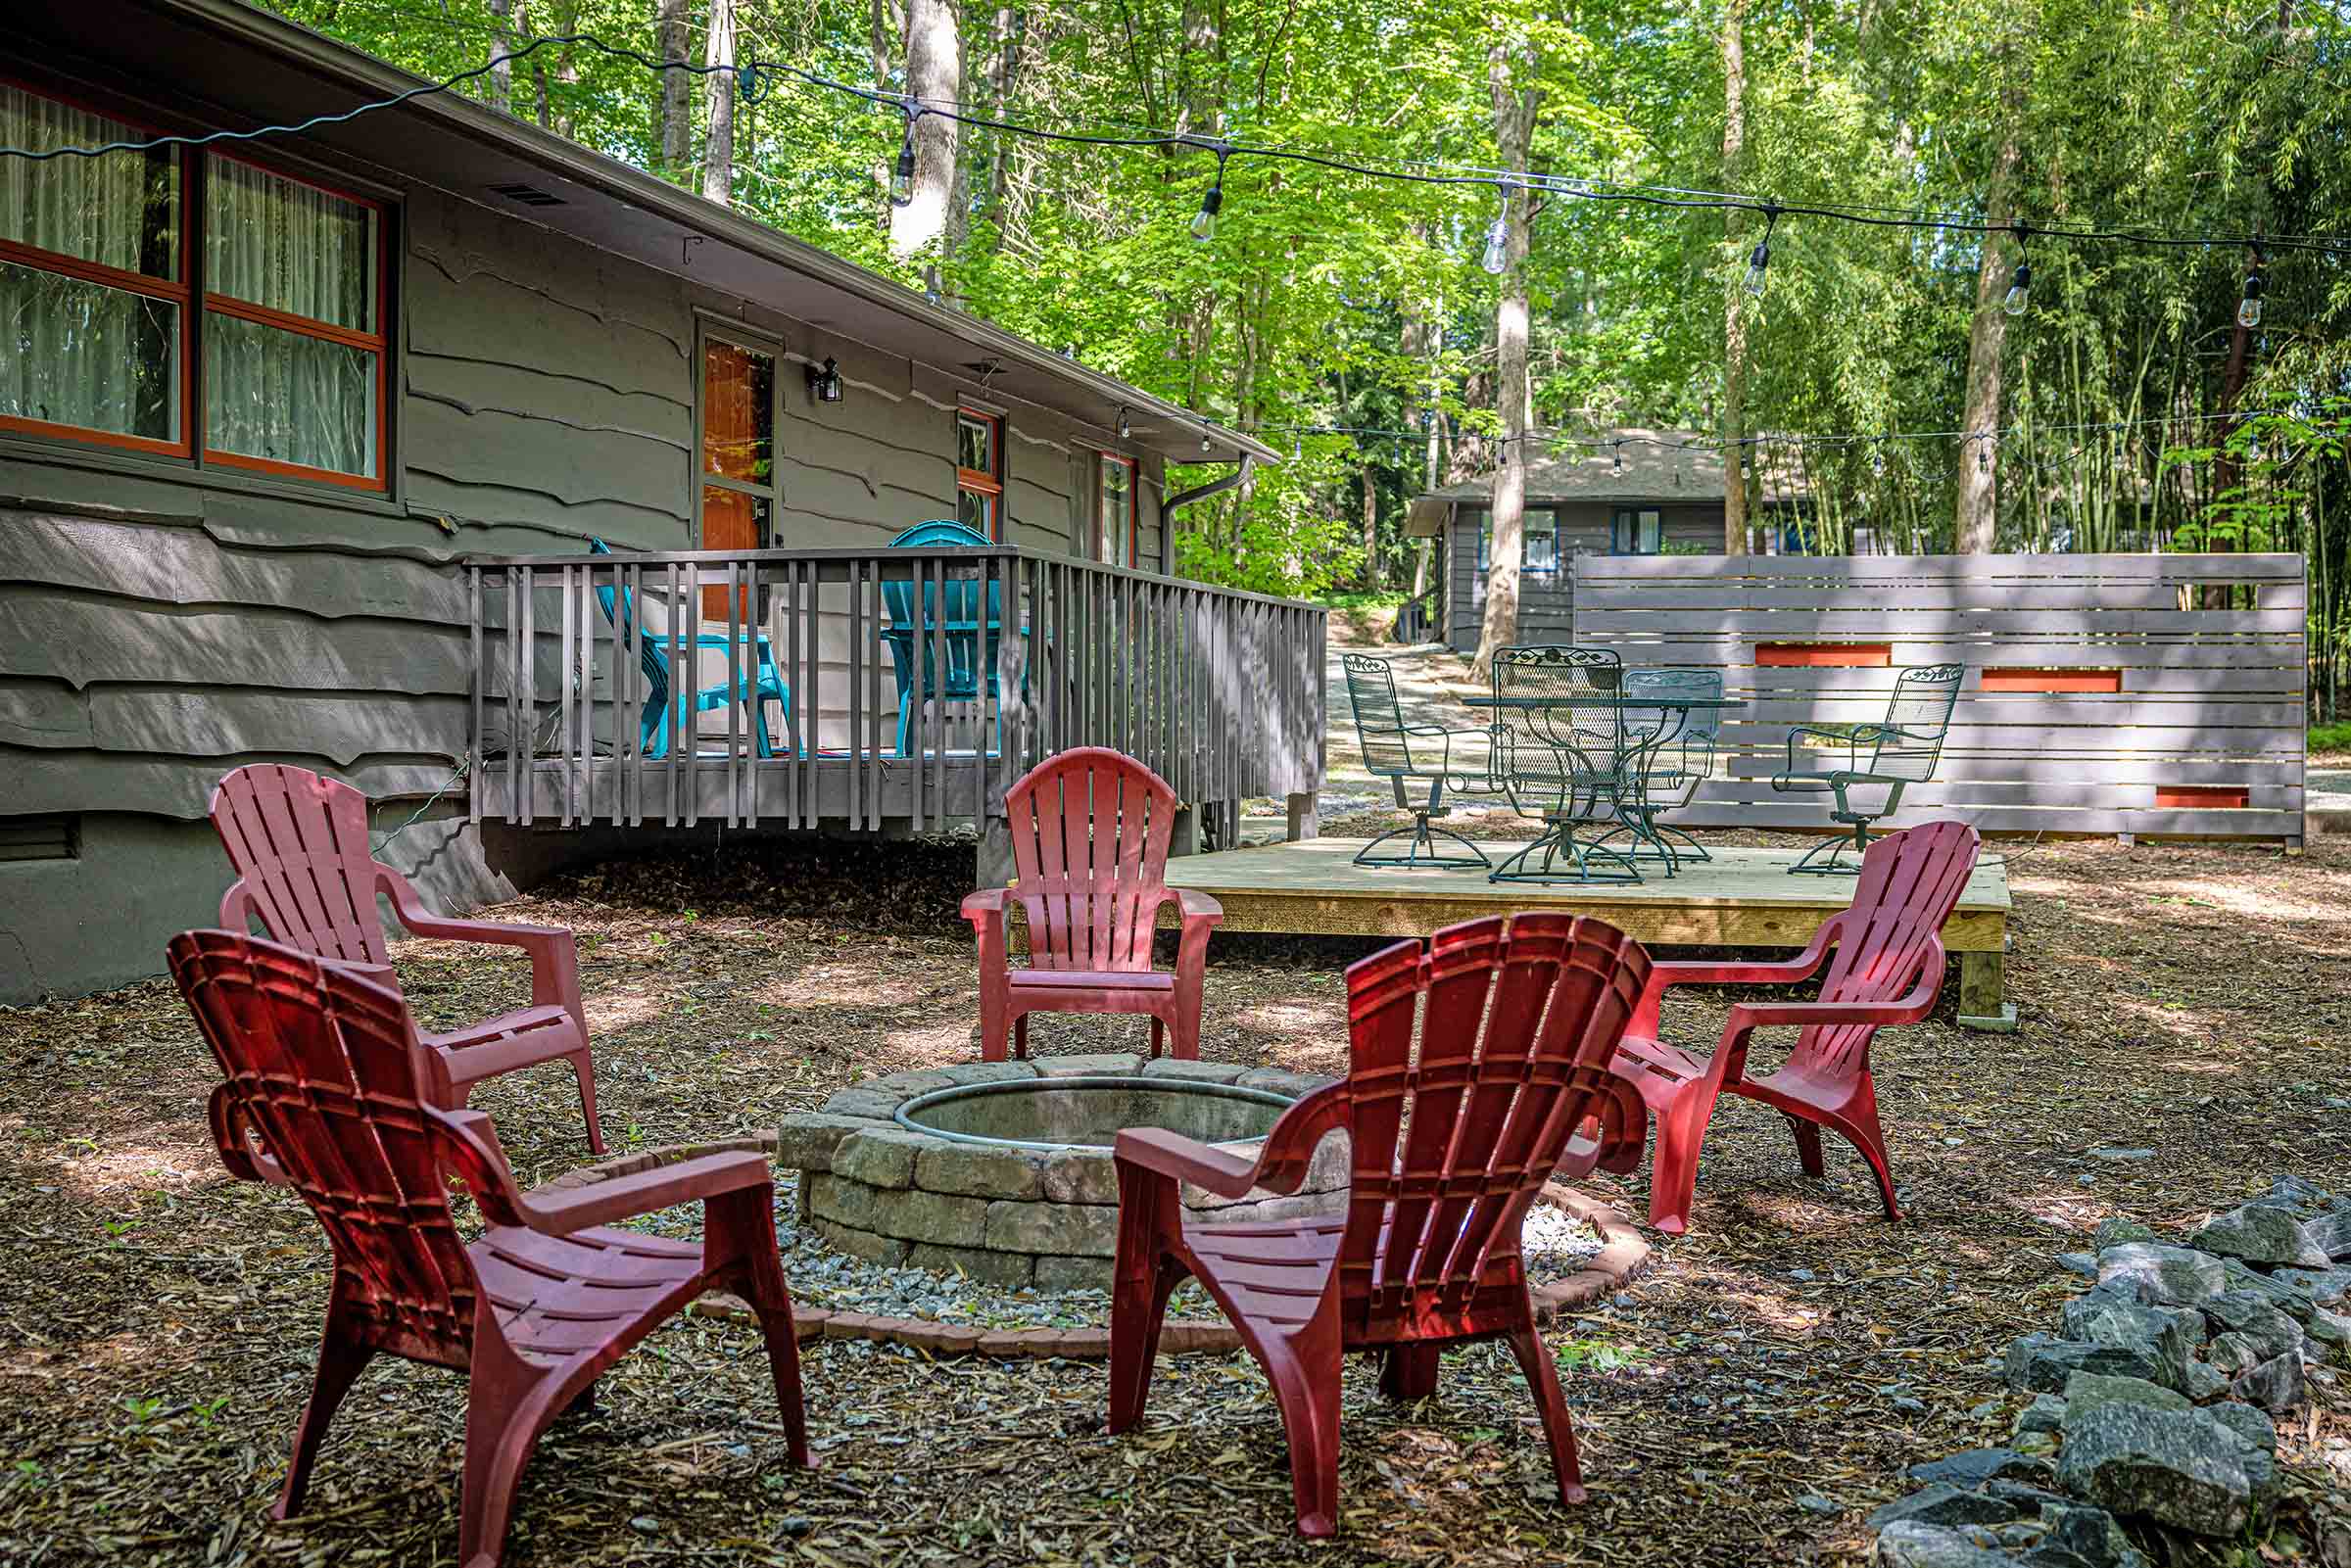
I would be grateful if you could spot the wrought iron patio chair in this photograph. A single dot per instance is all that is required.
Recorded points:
(1408, 755)
(1892, 755)
(1673, 754)
(1561, 754)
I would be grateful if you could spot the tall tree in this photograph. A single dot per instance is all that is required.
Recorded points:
(718, 147)
(1975, 524)
(933, 80)
(1734, 316)
(675, 106)
(1514, 109)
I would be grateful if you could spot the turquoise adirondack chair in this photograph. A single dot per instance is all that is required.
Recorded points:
(957, 639)
(753, 689)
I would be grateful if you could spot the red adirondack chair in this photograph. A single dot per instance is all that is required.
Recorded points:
(1090, 846)
(299, 843)
(1887, 970)
(322, 1095)
(1427, 1252)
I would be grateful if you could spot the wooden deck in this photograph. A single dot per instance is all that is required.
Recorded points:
(1742, 898)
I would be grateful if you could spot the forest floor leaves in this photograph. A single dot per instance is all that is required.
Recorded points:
(1748, 1400)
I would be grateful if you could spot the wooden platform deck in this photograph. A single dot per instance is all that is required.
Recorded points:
(1742, 898)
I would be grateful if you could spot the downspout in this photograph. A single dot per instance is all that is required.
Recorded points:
(1184, 498)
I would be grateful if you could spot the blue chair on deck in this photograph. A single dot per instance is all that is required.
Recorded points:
(957, 638)
(753, 688)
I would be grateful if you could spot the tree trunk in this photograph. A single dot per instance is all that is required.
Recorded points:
(1734, 316)
(934, 79)
(1514, 134)
(677, 90)
(718, 149)
(1975, 524)
(502, 65)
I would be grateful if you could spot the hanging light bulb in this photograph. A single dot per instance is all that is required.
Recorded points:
(1983, 452)
(1297, 448)
(1758, 262)
(1621, 460)
(1204, 440)
(2248, 308)
(901, 179)
(2020, 287)
(1126, 426)
(1212, 200)
(1498, 236)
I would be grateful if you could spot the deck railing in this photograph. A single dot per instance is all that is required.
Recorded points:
(1220, 693)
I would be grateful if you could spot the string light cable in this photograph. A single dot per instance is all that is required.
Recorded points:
(751, 76)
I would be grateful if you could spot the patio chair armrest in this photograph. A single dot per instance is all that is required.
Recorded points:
(1195, 906)
(1787, 972)
(239, 909)
(560, 1214)
(1281, 1162)
(1909, 1009)
(233, 1133)
(555, 953)
(1622, 1132)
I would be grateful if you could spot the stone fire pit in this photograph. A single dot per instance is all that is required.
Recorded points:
(1003, 1169)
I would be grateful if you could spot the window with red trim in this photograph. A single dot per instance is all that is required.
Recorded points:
(979, 472)
(101, 263)
(1116, 522)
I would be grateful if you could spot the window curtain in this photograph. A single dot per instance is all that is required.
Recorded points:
(78, 353)
(293, 248)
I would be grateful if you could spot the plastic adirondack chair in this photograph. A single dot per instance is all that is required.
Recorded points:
(967, 647)
(753, 688)
(298, 844)
(324, 1096)
(1887, 968)
(1448, 1150)
(1090, 846)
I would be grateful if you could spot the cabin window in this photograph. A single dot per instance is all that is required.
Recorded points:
(1116, 523)
(979, 472)
(739, 454)
(93, 282)
(1539, 551)
(293, 330)
(100, 261)
(1636, 530)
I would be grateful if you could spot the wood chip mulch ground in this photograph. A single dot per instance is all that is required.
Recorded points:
(1748, 1400)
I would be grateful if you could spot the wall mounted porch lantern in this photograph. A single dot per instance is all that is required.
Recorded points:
(824, 382)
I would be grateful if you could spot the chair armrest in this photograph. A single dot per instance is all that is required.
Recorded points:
(1281, 1161)
(555, 953)
(238, 910)
(986, 905)
(560, 1213)
(1195, 905)
(232, 1136)
(1920, 1002)
(1850, 741)
(1662, 976)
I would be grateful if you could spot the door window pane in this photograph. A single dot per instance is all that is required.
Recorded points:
(276, 242)
(120, 211)
(739, 414)
(1115, 516)
(81, 353)
(287, 397)
(977, 509)
(732, 520)
(976, 444)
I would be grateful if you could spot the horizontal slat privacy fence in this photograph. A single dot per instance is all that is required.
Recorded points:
(2101, 694)
(1220, 693)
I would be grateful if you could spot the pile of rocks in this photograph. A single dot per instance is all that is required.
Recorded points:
(2153, 1402)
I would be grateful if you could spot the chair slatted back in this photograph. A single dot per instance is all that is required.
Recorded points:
(962, 593)
(1090, 828)
(321, 1065)
(1911, 881)
(1917, 718)
(1450, 1141)
(300, 842)
(1378, 716)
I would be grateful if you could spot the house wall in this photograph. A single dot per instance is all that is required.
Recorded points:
(1547, 599)
(159, 626)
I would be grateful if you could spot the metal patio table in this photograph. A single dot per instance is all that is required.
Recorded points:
(1634, 749)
